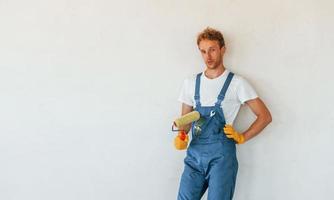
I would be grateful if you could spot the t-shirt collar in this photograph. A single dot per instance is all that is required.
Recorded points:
(225, 73)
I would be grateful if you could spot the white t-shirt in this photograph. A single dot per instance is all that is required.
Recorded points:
(237, 93)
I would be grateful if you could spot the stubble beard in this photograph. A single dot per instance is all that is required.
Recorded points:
(215, 65)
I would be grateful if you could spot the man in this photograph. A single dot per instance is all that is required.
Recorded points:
(217, 95)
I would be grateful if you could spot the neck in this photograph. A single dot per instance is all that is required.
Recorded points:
(214, 73)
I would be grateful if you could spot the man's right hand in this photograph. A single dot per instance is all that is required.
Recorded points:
(181, 140)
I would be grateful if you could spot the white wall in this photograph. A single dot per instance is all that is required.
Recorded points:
(88, 92)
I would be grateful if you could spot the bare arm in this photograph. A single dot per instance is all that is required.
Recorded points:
(186, 109)
(263, 118)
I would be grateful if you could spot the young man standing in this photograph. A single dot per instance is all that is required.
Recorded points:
(217, 95)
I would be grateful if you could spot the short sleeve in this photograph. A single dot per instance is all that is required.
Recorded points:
(185, 96)
(245, 91)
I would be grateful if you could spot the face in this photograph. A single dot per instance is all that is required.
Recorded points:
(211, 52)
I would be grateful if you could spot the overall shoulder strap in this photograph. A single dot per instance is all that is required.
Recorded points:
(197, 86)
(222, 93)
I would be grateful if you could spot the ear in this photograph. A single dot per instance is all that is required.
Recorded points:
(222, 50)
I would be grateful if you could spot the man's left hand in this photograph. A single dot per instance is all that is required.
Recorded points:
(232, 134)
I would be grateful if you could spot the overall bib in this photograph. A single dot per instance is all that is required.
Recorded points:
(211, 157)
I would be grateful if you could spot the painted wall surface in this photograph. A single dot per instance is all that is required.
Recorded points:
(88, 92)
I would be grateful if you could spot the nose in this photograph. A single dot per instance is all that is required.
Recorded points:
(209, 55)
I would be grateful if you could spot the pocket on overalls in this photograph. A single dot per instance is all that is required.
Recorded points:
(199, 126)
(229, 146)
(217, 124)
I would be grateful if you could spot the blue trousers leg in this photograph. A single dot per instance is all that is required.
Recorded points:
(222, 177)
(192, 185)
(209, 167)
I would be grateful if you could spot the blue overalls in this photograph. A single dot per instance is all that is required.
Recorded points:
(211, 160)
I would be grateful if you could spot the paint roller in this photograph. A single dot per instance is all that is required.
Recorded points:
(186, 119)
(181, 140)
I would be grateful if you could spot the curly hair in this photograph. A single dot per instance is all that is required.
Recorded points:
(211, 34)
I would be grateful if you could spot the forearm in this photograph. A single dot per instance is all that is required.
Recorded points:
(263, 118)
(257, 126)
(186, 109)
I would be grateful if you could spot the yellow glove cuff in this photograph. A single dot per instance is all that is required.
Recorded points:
(181, 142)
(241, 139)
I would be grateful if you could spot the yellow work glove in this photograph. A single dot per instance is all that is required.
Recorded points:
(181, 140)
(232, 134)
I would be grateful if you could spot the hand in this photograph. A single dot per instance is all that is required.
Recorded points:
(232, 134)
(181, 140)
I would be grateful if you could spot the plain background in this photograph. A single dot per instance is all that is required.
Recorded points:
(88, 93)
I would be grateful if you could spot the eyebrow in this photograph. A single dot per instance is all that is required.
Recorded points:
(208, 48)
